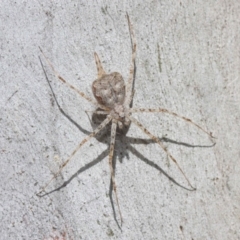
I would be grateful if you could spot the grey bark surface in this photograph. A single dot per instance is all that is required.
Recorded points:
(188, 61)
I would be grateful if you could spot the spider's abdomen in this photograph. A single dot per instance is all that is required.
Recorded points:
(109, 90)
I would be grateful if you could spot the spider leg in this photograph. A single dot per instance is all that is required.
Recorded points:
(98, 129)
(129, 86)
(100, 69)
(133, 110)
(137, 123)
(70, 85)
(132, 95)
(97, 112)
(111, 152)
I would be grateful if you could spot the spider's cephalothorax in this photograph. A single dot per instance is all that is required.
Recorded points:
(114, 104)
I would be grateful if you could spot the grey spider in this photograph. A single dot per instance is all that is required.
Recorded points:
(114, 100)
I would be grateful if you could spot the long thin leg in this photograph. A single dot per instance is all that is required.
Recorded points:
(133, 110)
(111, 152)
(129, 86)
(97, 112)
(70, 85)
(137, 123)
(99, 128)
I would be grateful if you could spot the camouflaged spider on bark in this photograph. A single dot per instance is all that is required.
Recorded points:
(113, 98)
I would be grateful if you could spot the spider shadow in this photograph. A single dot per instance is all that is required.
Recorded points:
(122, 143)
(59, 107)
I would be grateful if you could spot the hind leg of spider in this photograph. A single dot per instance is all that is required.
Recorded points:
(158, 110)
(138, 124)
(111, 152)
(87, 138)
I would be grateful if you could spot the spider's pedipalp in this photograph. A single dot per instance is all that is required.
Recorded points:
(100, 69)
(138, 124)
(87, 138)
(158, 110)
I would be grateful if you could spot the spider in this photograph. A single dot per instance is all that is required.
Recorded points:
(113, 98)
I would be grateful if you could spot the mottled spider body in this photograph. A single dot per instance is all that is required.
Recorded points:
(114, 99)
(109, 90)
